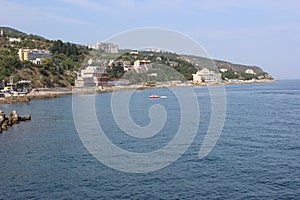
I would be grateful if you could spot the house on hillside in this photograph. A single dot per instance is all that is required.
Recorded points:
(141, 65)
(206, 75)
(33, 55)
(106, 47)
(14, 39)
(1, 32)
(223, 70)
(124, 63)
(250, 71)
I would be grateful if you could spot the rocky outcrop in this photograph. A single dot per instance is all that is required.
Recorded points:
(11, 119)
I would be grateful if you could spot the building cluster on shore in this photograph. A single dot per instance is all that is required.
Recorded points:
(97, 76)
(99, 71)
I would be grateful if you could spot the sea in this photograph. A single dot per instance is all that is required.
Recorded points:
(256, 154)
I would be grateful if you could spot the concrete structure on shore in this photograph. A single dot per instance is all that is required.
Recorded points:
(33, 55)
(206, 75)
(92, 76)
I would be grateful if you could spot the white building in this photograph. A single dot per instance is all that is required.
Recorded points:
(106, 47)
(14, 39)
(223, 70)
(154, 50)
(91, 76)
(141, 65)
(134, 52)
(1, 33)
(206, 75)
(250, 71)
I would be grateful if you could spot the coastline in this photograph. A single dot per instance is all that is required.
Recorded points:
(45, 93)
(42, 93)
(56, 92)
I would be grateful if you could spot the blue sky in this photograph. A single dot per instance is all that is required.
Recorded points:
(265, 33)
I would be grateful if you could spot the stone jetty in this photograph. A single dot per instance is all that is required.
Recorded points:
(11, 119)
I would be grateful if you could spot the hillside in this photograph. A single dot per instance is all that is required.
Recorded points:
(200, 61)
(56, 71)
(166, 66)
(9, 30)
(59, 70)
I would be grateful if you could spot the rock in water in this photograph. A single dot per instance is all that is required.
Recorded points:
(13, 118)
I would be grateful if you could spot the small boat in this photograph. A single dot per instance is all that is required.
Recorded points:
(153, 96)
(163, 97)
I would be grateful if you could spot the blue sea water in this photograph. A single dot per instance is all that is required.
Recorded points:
(256, 157)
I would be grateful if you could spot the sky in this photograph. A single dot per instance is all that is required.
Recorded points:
(264, 33)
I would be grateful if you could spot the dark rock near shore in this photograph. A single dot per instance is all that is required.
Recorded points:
(11, 119)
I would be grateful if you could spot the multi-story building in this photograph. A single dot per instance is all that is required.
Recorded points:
(106, 47)
(92, 76)
(206, 75)
(34, 56)
(23, 54)
(1, 32)
(141, 65)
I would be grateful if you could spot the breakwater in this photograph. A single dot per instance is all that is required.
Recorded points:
(11, 119)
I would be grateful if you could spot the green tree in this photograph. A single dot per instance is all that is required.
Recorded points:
(116, 71)
(229, 74)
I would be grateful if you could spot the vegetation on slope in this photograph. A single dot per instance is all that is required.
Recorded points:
(56, 71)
(60, 69)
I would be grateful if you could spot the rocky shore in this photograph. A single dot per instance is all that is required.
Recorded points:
(11, 119)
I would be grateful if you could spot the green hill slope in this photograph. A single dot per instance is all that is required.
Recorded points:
(60, 69)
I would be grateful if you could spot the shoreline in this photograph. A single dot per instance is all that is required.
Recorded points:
(45, 93)
(56, 92)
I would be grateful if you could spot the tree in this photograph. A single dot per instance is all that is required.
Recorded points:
(57, 47)
(229, 74)
(116, 71)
